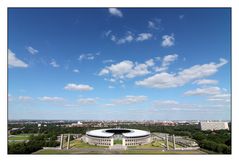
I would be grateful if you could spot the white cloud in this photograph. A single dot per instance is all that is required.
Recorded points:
(151, 25)
(76, 71)
(51, 99)
(25, 98)
(119, 69)
(13, 61)
(31, 50)
(86, 101)
(107, 33)
(203, 91)
(167, 60)
(149, 62)
(127, 69)
(88, 56)
(54, 64)
(126, 39)
(169, 80)
(103, 72)
(168, 40)
(138, 70)
(172, 105)
(115, 12)
(130, 100)
(223, 97)
(78, 87)
(205, 81)
(143, 36)
(181, 17)
(108, 61)
(154, 24)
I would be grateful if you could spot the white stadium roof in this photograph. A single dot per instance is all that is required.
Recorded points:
(100, 133)
(131, 133)
(136, 133)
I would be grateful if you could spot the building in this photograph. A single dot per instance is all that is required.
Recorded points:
(213, 126)
(125, 137)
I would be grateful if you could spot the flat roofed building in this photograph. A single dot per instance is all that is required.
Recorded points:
(213, 125)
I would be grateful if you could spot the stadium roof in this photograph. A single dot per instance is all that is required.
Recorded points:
(106, 133)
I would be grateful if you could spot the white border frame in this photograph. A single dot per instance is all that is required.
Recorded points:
(4, 4)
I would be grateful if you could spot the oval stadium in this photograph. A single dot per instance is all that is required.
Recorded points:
(111, 136)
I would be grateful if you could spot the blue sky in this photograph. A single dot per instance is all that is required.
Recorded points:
(119, 63)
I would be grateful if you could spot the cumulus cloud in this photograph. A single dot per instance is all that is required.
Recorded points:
(150, 62)
(127, 69)
(13, 61)
(205, 81)
(128, 37)
(54, 64)
(154, 24)
(78, 87)
(31, 50)
(130, 100)
(107, 33)
(203, 91)
(172, 105)
(76, 71)
(108, 61)
(169, 80)
(143, 36)
(51, 99)
(223, 97)
(115, 12)
(88, 56)
(86, 101)
(168, 40)
(167, 60)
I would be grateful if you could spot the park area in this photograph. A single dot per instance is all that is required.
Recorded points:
(155, 147)
(19, 138)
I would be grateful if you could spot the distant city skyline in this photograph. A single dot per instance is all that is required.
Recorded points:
(119, 64)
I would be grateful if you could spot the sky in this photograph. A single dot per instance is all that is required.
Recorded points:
(119, 63)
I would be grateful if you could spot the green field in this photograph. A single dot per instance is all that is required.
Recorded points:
(161, 152)
(118, 141)
(81, 144)
(144, 149)
(57, 152)
(22, 137)
(119, 152)
(156, 144)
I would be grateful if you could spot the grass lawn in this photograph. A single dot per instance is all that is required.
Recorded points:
(161, 152)
(118, 141)
(171, 145)
(156, 144)
(81, 144)
(19, 137)
(56, 152)
(121, 152)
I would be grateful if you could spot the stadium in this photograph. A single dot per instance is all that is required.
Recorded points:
(112, 136)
